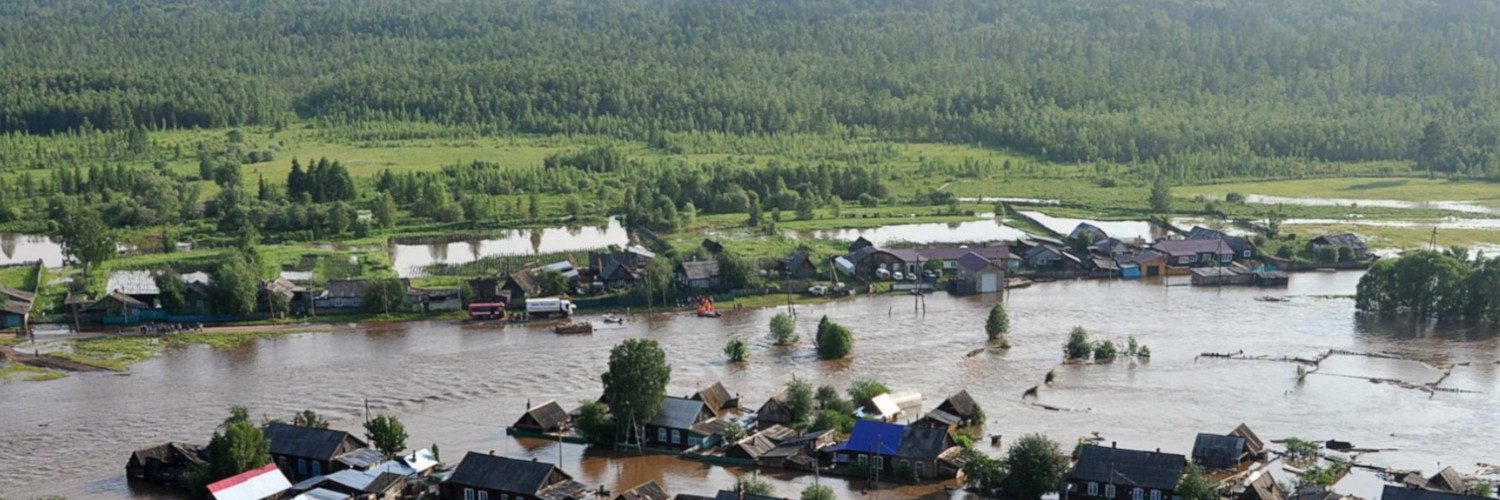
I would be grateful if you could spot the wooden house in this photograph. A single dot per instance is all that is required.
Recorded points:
(298, 298)
(305, 452)
(1150, 264)
(1119, 474)
(1052, 257)
(958, 411)
(546, 417)
(487, 289)
(1242, 247)
(1394, 492)
(434, 299)
(698, 275)
(519, 286)
(1193, 253)
(775, 411)
(799, 266)
(870, 261)
(881, 446)
(679, 424)
(717, 398)
(1220, 276)
(116, 307)
(15, 312)
(138, 284)
(648, 490)
(167, 464)
(1350, 240)
(341, 295)
(1262, 487)
(488, 477)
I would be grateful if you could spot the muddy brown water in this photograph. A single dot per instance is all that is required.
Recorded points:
(459, 385)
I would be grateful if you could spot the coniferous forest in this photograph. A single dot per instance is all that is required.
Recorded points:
(1173, 81)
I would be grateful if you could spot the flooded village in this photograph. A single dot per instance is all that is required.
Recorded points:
(1265, 379)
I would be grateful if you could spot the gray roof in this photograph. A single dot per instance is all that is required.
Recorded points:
(308, 442)
(1447, 480)
(138, 282)
(1216, 451)
(1344, 240)
(973, 262)
(1131, 468)
(678, 413)
(923, 443)
(362, 458)
(701, 270)
(548, 415)
(730, 495)
(1193, 247)
(502, 474)
(1253, 444)
(1236, 243)
(345, 289)
(960, 405)
(648, 490)
(1392, 492)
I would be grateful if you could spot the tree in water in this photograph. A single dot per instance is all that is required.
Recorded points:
(309, 418)
(998, 324)
(387, 435)
(736, 350)
(237, 447)
(1161, 196)
(1036, 466)
(783, 330)
(636, 381)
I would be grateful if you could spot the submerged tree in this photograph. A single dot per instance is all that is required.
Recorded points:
(636, 381)
(387, 435)
(998, 323)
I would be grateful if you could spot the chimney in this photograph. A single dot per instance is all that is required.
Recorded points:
(533, 459)
(492, 453)
(1112, 444)
(1158, 450)
(528, 404)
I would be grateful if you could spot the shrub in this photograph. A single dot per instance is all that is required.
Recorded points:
(834, 341)
(1105, 351)
(783, 330)
(736, 350)
(1078, 344)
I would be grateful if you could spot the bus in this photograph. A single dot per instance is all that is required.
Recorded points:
(487, 310)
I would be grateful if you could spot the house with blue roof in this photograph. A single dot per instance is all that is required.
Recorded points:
(880, 448)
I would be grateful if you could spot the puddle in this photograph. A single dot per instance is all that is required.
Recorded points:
(17, 248)
(1455, 206)
(409, 259)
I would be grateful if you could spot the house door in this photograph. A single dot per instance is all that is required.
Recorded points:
(989, 283)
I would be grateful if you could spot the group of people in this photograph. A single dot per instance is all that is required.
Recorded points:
(155, 329)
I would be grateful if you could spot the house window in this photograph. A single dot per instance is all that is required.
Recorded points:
(1155, 494)
(1247, 253)
(864, 460)
(468, 493)
(1137, 494)
(317, 468)
(921, 469)
(1109, 491)
(676, 437)
(484, 495)
(1182, 260)
(879, 463)
(301, 467)
(1093, 489)
(661, 435)
(694, 441)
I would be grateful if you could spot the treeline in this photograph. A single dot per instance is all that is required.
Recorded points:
(1434, 285)
(1198, 88)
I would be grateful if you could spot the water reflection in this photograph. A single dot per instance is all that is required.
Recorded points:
(409, 259)
(19, 248)
(1456, 206)
(1123, 230)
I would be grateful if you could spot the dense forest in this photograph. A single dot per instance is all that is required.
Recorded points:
(1197, 88)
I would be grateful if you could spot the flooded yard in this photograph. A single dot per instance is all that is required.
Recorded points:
(460, 385)
(409, 259)
(1455, 206)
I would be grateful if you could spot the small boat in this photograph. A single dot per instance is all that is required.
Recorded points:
(709, 314)
(574, 328)
(706, 308)
(610, 318)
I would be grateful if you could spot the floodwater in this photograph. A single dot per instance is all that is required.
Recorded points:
(985, 230)
(459, 385)
(1455, 206)
(1124, 230)
(1450, 223)
(17, 248)
(409, 260)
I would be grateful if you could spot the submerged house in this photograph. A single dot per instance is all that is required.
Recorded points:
(648, 490)
(956, 412)
(167, 464)
(717, 398)
(519, 286)
(1242, 247)
(680, 424)
(774, 412)
(116, 307)
(1350, 240)
(1393, 492)
(1195, 252)
(1119, 474)
(547, 417)
(978, 275)
(488, 477)
(306, 452)
(881, 446)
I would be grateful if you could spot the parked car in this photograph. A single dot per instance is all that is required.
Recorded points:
(817, 290)
(898, 276)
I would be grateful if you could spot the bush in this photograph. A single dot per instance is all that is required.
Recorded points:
(1105, 351)
(864, 389)
(783, 330)
(1234, 198)
(736, 350)
(817, 492)
(1346, 254)
(1078, 344)
(594, 424)
(799, 401)
(834, 341)
(831, 420)
(998, 323)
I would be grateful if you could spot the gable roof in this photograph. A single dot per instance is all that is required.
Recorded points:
(1263, 487)
(308, 442)
(345, 289)
(648, 490)
(136, 282)
(503, 474)
(1393, 492)
(700, 269)
(362, 458)
(1217, 451)
(1145, 469)
(753, 446)
(1343, 240)
(1179, 248)
(548, 415)
(172, 453)
(870, 436)
(679, 413)
(715, 396)
(1236, 243)
(117, 297)
(960, 405)
(524, 280)
(254, 484)
(973, 262)
(1253, 444)
(923, 443)
(730, 495)
(1447, 480)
